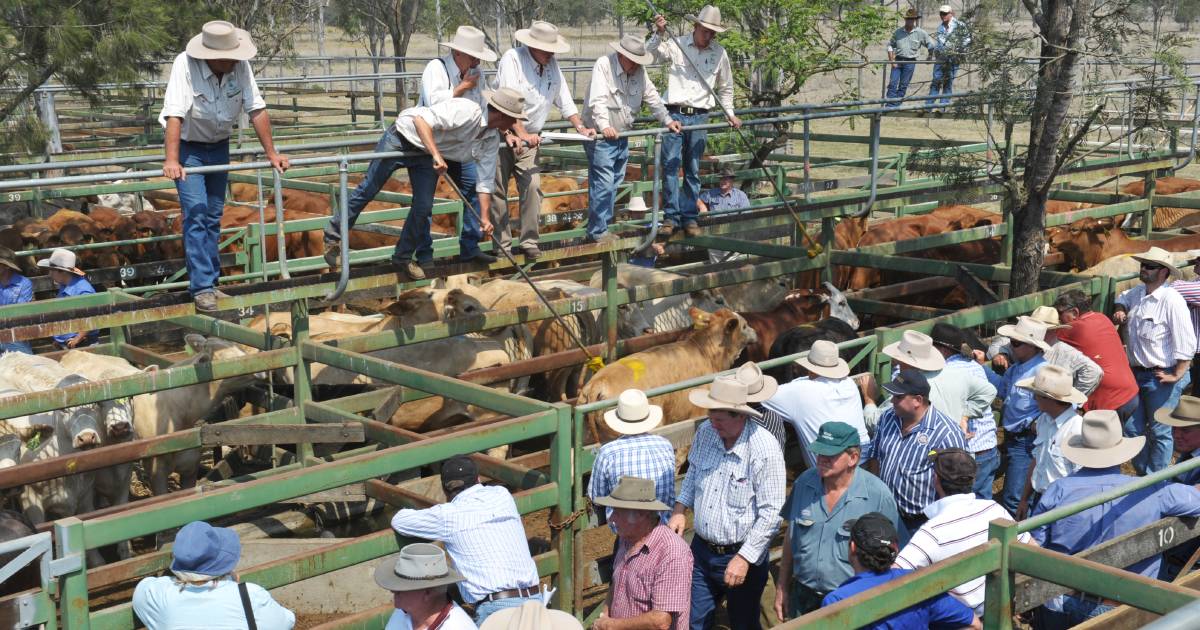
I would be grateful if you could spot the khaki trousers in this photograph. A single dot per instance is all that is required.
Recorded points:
(529, 189)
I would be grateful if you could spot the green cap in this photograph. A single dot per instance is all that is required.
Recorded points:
(834, 438)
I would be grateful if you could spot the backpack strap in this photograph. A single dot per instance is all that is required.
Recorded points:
(245, 593)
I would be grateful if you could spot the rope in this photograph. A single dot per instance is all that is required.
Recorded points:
(595, 362)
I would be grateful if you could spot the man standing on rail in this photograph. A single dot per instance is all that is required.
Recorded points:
(697, 67)
(532, 71)
(15, 288)
(211, 84)
(949, 43)
(902, 52)
(615, 96)
(452, 130)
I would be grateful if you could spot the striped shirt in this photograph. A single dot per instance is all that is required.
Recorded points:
(1190, 291)
(957, 523)
(904, 463)
(1160, 332)
(646, 455)
(736, 494)
(773, 423)
(484, 535)
(653, 577)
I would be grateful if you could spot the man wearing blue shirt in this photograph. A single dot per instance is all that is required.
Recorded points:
(874, 545)
(1099, 450)
(724, 198)
(1184, 421)
(14, 289)
(71, 282)
(1028, 338)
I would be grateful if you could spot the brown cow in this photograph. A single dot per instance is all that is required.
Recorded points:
(1088, 242)
(799, 307)
(298, 244)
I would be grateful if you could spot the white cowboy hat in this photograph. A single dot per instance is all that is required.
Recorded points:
(508, 101)
(725, 393)
(1186, 414)
(634, 414)
(637, 205)
(1158, 256)
(1028, 330)
(709, 17)
(945, 8)
(759, 386)
(62, 260)
(221, 40)
(823, 360)
(419, 566)
(633, 493)
(916, 349)
(1053, 381)
(470, 41)
(1101, 444)
(532, 615)
(543, 36)
(1048, 315)
(633, 49)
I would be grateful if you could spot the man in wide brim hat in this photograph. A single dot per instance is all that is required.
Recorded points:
(221, 40)
(725, 394)
(61, 260)
(1160, 257)
(823, 359)
(709, 17)
(1101, 443)
(419, 566)
(1028, 331)
(543, 36)
(915, 349)
(1054, 382)
(633, 414)
(632, 48)
(471, 41)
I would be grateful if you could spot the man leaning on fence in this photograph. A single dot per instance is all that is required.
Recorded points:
(902, 49)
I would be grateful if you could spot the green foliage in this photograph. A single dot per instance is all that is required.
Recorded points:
(1187, 12)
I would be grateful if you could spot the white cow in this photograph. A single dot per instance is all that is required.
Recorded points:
(665, 313)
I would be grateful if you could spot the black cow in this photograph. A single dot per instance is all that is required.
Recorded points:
(801, 339)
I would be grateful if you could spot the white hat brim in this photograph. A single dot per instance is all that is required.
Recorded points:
(482, 55)
(46, 264)
(1164, 416)
(770, 386)
(708, 25)
(1075, 397)
(651, 421)
(641, 60)
(558, 47)
(1010, 331)
(702, 399)
(1174, 271)
(386, 578)
(245, 50)
(930, 364)
(1124, 451)
(841, 370)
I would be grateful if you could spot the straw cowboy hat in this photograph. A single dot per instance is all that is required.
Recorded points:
(911, 14)
(725, 393)
(1158, 256)
(469, 40)
(633, 493)
(945, 8)
(637, 205)
(1101, 443)
(1186, 414)
(823, 360)
(1048, 315)
(543, 36)
(710, 18)
(508, 101)
(1053, 381)
(759, 386)
(221, 40)
(9, 259)
(1027, 330)
(916, 349)
(531, 616)
(62, 260)
(633, 48)
(419, 566)
(634, 414)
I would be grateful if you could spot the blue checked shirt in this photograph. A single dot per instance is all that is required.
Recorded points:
(736, 494)
(647, 456)
(904, 463)
(484, 536)
(1020, 409)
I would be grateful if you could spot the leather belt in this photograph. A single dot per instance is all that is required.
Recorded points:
(514, 592)
(899, 58)
(687, 110)
(985, 451)
(720, 550)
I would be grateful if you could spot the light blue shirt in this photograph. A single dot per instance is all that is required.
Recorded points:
(161, 604)
(1020, 409)
(77, 286)
(948, 41)
(18, 290)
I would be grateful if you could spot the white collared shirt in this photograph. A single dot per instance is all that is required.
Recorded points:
(440, 78)
(518, 70)
(615, 98)
(461, 135)
(208, 106)
(684, 86)
(808, 402)
(1050, 465)
(1160, 327)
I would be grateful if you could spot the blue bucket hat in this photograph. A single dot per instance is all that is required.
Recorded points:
(207, 550)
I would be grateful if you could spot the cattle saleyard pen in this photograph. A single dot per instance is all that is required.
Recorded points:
(363, 475)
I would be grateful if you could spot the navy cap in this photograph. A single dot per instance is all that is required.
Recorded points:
(908, 382)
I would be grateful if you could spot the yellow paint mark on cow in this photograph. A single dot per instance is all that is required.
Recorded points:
(636, 366)
(72, 465)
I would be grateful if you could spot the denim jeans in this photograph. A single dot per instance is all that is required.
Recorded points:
(943, 81)
(1080, 610)
(986, 465)
(16, 346)
(902, 73)
(463, 175)
(1020, 459)
(679, 206)
(484, 609)
(202, 201)
(606, 170)
(1156, 455)
(414, 236)
(708, 589)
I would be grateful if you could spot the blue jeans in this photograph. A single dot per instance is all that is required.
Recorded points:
(902, 73)
(202, 201)
(463, 175)
(1080, 610)
(16, 346)
(679, 207)
(943, 81)
(986, 465)
(708, 589)
(484, 609)
(1156, 455)
(1020, 459)
(414, 236)
(606, 171)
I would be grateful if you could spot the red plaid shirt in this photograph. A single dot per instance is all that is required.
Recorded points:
(656, 576)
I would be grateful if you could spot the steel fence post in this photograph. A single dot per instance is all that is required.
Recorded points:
(1148, 215)
(302, 374)
(577, 444)
(998, 607)
(563, 538)
(611, 286)
(73, 595)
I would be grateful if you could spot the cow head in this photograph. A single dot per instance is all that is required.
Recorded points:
(632, 321)
(80, 422)
(839, 306)
(209, 349)
(727, 332)
(460, 304)
(416, 306)
(118, 418)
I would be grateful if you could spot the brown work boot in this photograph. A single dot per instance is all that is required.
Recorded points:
(409, 269)
(333, 254)
(692, 229)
